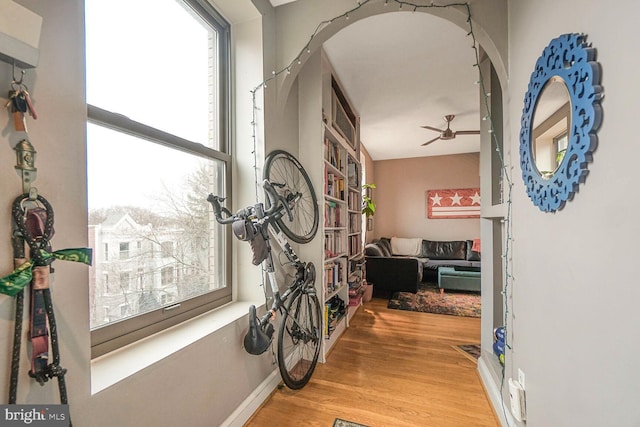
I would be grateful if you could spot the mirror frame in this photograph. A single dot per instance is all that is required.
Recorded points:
(571, 59)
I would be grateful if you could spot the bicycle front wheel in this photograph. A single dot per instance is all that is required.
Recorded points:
(282, 168)
(299, 339)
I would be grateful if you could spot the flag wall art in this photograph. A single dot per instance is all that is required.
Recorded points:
(457, 203)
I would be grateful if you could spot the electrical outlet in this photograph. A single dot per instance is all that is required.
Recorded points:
(517, 398)
(521, 378)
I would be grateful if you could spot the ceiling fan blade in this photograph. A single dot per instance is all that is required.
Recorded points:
(468, 132)
(432, 128)
(429, 142)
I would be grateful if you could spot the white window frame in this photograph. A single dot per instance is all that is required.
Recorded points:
(118, 334)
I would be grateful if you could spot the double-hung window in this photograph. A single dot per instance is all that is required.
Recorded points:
(157, 145)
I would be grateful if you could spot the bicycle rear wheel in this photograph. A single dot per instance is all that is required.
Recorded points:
(282, 168)
(299, 338)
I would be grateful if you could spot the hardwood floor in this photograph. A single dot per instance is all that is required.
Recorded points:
(390, 368)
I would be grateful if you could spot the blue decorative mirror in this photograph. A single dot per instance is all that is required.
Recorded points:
(560, 118)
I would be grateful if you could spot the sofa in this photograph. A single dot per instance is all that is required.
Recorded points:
(401, 264)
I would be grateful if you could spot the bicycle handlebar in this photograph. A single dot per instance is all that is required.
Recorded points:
(219, 210)
(278, 203)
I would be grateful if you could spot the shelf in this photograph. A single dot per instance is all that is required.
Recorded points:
(332, 294)
(334, 136)
(332, 169)
(336, 257)
(333, 199)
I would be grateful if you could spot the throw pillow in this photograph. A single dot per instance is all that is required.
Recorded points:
(371, 249)
(406, 246)
(471, 254)
(385, 246)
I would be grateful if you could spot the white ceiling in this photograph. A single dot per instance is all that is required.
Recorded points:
(404, 70)
(275, 3)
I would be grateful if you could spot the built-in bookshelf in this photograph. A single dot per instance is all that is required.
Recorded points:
(343, 261)
(330, 130)
(336, 232)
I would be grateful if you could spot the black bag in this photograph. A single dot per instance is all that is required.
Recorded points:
(259, 248)
(243, 229)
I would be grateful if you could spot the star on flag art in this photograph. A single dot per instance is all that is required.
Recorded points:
(460, 203)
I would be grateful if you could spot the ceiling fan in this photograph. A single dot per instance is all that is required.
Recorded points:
(447, 133)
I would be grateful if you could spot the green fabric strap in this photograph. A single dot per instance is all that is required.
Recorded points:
(21, 276)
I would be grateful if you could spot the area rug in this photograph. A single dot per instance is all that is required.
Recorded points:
(342, 423)
(470, 351)
(428, 299)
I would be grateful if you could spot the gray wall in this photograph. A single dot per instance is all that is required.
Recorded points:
(204, 382)
(574, 309)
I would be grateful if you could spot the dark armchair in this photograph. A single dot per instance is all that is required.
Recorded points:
(390, 273)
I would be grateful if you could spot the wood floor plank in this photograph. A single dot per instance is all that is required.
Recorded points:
(391, 368)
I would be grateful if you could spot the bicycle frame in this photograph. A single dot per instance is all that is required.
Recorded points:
(265, 223)
(278, 300)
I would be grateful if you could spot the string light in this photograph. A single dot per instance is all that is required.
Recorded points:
(506, 172)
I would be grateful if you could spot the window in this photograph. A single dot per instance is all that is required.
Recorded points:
(167, 249)
(125, 282)
(157, 145)
(124, 250)
(167, 277)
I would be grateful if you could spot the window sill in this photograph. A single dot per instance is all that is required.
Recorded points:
(119, 364)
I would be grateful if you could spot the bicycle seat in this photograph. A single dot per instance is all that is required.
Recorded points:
(256, 341)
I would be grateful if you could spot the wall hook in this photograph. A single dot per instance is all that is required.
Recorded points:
(22, 73)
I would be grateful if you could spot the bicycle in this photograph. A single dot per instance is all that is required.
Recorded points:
(290, 210)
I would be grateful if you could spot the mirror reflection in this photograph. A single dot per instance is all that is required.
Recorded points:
(551, 124)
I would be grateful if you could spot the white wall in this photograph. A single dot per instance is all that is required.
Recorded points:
(574, 308)
(201, 384)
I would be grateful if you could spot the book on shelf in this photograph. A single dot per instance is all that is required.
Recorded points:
(354, 244)
(332, 214)
(354, 222)
(334, 185)
(355, 201)
(333, 245)
(335, 309)
(333, 154)
(333, 276)
(352, 174)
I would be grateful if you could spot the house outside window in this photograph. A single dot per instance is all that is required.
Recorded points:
(157, 145)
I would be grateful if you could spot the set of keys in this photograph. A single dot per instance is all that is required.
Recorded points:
(21, 105)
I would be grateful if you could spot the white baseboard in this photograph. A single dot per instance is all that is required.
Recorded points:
(251, 404)
(501, 408)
